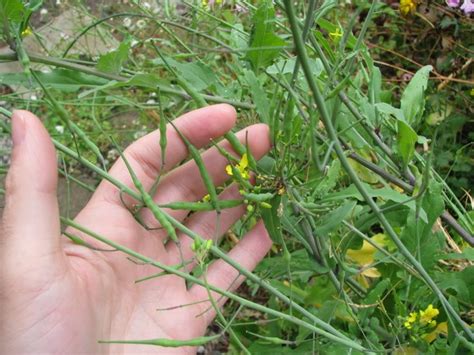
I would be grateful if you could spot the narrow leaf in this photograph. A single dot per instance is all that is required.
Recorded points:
(412, 102)
(406, 139)
(272, 220)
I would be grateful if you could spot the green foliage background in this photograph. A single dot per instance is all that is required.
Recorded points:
(403, 125)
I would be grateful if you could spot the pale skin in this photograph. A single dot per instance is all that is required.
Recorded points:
(58, 297)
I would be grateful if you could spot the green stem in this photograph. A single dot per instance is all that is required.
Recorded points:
(171, 270)
(57, 62)
(301, 50)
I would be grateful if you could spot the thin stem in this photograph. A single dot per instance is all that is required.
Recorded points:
(92, 71)
(301, 50)
(171, 270)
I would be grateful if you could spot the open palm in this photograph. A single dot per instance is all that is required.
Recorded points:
(60, 297)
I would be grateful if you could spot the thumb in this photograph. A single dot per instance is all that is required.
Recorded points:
(31, 225)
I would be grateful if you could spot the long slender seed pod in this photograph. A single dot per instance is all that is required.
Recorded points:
(148, 200)
(163, 138)
(258, 197)
(169, 343)
(206, 178)
(201, 206)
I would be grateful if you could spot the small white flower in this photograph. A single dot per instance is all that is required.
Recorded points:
(151, 102)
(127, 22)
(141, 24)
(58, 2)
(133, 43)
(33, 97)
(147, 6)
(113, 154)
(59, 129)
(139, 134)
(43, 11)
(64, 36)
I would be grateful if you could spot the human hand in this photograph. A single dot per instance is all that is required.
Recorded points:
(60, 297)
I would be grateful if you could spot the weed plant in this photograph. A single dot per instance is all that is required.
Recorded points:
(372, 248)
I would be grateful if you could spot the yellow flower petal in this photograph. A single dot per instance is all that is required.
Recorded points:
(412, 317)
(362, 256)
(442, 328)
(26, 32)
(244, 162)
(428, 314)
(228, 170)
(336, 34)
(407, 7)
(371, 272)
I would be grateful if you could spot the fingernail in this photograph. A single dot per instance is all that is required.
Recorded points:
(18, 128)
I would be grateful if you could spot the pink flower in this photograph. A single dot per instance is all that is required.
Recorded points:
(453, 3)
(468, 6)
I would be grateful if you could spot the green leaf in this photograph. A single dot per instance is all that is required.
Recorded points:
(418, 235)
(406, 139)
(11, 10)
(198, 75)
(113, 61)
(34, 5)
(376, 84)
(272, 220)
(372, 297)
(264, 347)
(333, 220)
(320, 291)
(287, 66)
(462, 283)
(330, 180)
(60, 79)
(330, 28)
(301, 264)
(384, 193)
(263, 35)
(259, 97)
(389, 110)
(412, 102)
(467, 254)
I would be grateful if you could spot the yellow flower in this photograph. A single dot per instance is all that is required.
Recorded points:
(407, 7)
(410, 320)
(26, 32)
(412, 317)
(206, 198)
(442, 328)
(426, 316)
(242, 167)
(336, 34)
